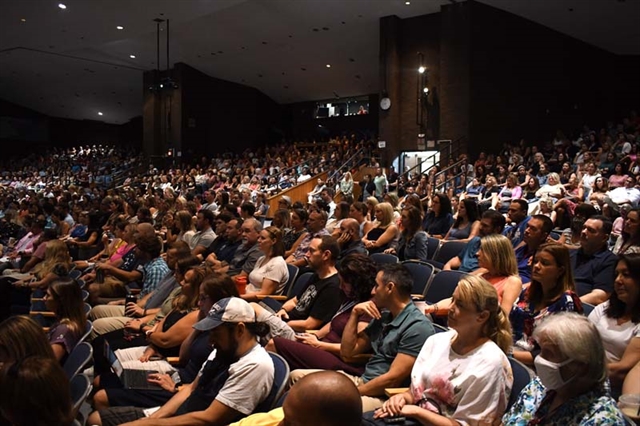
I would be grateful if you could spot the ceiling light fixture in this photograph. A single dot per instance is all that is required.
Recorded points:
(23, 20)
(421, 70)
(120, 27)
(132, 56)
(407, 3)
(99, 113)
(328, 65)
(62, 6)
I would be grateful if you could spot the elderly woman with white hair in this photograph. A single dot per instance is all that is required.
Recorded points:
(572, 371)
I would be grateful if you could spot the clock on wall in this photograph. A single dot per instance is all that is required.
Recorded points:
(385, 103)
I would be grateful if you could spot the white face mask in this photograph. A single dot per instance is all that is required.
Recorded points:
(549, 373)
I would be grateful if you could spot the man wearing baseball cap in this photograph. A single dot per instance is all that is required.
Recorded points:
(236, 378)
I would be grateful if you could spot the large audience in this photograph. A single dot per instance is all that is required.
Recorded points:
(180, 271)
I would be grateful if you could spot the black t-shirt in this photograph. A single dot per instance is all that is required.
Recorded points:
(321, 300)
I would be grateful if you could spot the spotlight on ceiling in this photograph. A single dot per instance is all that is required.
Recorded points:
(407, 3)
(62, 6)
(23, 20)
(421, 70)
(425, 90)
(132, 56)
(328, 65)
(99, 113)
(120, 27)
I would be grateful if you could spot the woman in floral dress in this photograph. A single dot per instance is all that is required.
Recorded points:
(551, 290)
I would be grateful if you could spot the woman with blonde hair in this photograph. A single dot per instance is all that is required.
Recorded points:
(383, 234)
(498, 265)
(371, 203)
(346, 187)
(462, 375)
(282, 220)
(552, 290)
(56, 264)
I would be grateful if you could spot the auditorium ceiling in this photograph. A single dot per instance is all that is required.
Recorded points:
(77, 63)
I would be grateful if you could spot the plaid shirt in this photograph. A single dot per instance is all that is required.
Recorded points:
(152, 273)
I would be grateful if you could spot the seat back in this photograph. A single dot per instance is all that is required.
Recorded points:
(85, 295)
(75, 274)
(293, 274)
(81, 283)
(87, 331)
(301, 284)
(280, 379)
(87, 309)
(439, 328)
(382, 258)
(587, 308)
(78, 359)
(521, 378)
(421, 273)
(442, 285)
(80, 390)
(448, 251)
(433, 244)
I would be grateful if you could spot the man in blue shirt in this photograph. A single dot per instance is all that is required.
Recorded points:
(492, 222)
(518, 217)
(537, 232)
(593, 264)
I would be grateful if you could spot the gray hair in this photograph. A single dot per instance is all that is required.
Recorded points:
(257, 225)
(577, 338)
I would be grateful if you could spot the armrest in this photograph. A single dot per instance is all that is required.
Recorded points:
(394, 391)
(45, 329)
(37, 299)
(173, 360)
(357, 359)
(274, 297)
(417, 296)
(135, 290)
(43, 313)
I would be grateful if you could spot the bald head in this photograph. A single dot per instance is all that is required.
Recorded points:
(318, 398)
(350, 225)
(352, 228)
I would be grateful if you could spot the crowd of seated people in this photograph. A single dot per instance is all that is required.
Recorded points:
(183, 238)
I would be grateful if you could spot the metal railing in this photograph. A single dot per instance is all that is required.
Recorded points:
(357, 154)
(454, 148)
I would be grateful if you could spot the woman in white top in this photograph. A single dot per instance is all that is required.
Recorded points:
(346, 186)
(184, 222)
(618, 320)
(588, 181)
(553, 188)
(462, 375)
(270, 274)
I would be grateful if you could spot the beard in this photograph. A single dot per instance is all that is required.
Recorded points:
(228, 355)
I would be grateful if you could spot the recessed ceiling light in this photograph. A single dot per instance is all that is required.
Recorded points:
(99, 113)
(120, 27)
(407, 3)
(328, 65)
(62, 5)
(23, 20)
(132, 56)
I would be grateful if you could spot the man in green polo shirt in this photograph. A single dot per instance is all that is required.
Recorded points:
(394, 336)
